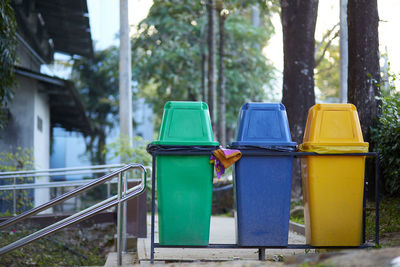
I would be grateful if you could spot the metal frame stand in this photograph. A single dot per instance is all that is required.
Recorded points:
(261, 249)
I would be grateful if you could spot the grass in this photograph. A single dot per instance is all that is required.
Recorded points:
(389, 214)
(299, 220)
(296, 203)
(69, 247)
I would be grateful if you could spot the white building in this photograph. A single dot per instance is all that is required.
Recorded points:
(42, 102)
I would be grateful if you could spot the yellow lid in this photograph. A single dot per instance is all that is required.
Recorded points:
(335, 125)
(309, 147)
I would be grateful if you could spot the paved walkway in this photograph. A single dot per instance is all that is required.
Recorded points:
(222, 231)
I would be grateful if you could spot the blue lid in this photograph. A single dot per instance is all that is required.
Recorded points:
(263, 124)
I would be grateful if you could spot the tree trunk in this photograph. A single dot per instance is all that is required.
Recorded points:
(192, 96)
(101, 145)
(256, 20)
(221, 81)
(298, 25)
(255, 16)
(363, 69)
(212, 96)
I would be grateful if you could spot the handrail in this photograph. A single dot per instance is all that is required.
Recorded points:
(60, 173)
(121, 198)
(46, 171)
(70, 171)
(68, 183)
(55, 184)
(63, 197)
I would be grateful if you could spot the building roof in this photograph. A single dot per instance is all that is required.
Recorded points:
(66, 109)
(67, 23)
(55, 26)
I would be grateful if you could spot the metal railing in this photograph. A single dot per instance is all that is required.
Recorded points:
(57, 172)
(119, 200)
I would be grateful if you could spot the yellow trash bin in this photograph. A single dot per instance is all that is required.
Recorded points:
(333, 186)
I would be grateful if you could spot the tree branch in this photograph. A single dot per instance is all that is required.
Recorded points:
(328, 44)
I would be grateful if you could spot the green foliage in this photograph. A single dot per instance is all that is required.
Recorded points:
(8, 43)
(97, 82)
(167, 54)
(386, 138)
(299, 219)
(278, 258)
(327, 69)
(135, 153)
(388, 78)
(248, 72)
(22, 159)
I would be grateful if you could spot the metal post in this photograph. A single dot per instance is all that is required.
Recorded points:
(125, 87)
(364, 209)
(153, 194)
(119, 221)
(125, 93)
(15, 198)
(261, 254)
(108, 185)
(377, 200)
(124, 214)
(344, 51)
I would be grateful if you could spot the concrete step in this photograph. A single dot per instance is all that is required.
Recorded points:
(297, 228)
(128, 259)
(222, 231)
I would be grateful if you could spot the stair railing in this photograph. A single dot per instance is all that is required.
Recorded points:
(118, 200)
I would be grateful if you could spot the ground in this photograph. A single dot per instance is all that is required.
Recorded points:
(73, 246)
(390, 239)
(89, 246)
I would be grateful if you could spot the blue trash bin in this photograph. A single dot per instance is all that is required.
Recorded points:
(263, 182)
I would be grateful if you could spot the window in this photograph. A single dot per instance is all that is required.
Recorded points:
(39, 124)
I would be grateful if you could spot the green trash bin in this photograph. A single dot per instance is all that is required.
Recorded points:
(184, 182)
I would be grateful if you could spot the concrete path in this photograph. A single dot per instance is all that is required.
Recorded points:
(222, 231)
(128, 260)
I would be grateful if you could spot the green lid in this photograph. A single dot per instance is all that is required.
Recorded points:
(186, 123)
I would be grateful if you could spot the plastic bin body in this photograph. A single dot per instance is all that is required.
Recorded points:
(263, 183)
(333, 196)
(333, 186)
(184, 193)
(184, 182)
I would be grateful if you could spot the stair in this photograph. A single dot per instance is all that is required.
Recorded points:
(128, 259)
